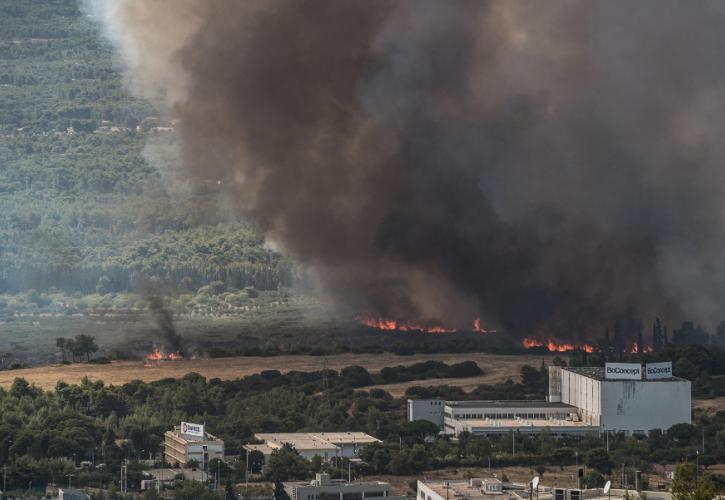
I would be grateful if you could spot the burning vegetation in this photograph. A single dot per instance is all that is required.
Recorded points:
(159, 355)
(387, 324)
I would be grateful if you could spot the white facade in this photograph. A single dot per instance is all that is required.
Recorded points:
(426, 409)
(181, 448)
(632, 406)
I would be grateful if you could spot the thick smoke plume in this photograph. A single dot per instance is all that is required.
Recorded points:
(165, 322)
(548, 168)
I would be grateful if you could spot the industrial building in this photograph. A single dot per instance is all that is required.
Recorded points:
(334, 489)
(189, 442)
(619, 397)
(326, 445)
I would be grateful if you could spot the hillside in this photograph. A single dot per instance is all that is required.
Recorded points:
(82, 209)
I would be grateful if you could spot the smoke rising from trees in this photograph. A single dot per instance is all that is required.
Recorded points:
(544, 169)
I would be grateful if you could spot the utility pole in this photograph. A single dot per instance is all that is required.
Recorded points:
(5, 480)
(513, 443)
(124, 477)
(246, 475)
(576, 458)
(697, 466)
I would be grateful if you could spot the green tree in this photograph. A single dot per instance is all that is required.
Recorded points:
(686, 485)
(598, 458)
(286, 464)
(85, 344)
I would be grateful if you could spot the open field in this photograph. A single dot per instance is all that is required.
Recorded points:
(497, 368)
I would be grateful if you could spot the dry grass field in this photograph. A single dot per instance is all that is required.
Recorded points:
(497, 368)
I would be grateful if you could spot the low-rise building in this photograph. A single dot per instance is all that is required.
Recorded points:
(326, 445)
(324, 488)
(181, 447)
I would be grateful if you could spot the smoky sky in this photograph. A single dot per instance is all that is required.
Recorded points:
(548, 167)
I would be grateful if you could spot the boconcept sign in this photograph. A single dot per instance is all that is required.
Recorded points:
(623, 371)
(656, 371)
(192, 429)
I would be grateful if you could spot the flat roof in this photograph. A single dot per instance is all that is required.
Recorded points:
(597, 373)
(263, 448)
(315, 440)
(300, 440)
(346, 437)
(508, 404)
(208, 438)
(462, 489)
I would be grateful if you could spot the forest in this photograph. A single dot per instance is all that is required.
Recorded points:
(83, 206)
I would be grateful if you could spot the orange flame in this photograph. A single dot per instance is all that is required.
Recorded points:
(410, 326)
(478, 328)
(158, 355)
(553, 346)
(406, 326)
(635, 348)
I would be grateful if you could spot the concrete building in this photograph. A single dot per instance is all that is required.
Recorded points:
(324, 488)
(326, 445)
(472, 489)
(426, 409)
(181, 448)
(580, 400)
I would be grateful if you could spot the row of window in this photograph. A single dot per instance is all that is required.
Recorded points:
(345, 496)
(501, 416)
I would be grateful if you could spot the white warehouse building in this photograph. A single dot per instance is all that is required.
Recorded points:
(634, 406)
(617, 397)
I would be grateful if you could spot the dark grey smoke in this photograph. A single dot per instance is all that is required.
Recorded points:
(165, 322)
(546, 167)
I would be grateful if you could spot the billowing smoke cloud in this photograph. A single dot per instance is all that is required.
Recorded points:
(545, 167)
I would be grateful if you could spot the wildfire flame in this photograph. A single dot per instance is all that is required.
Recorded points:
(158, 355)
(410, 326)
(635, 348)
(554, 346)
(403, 326)
(478, 328)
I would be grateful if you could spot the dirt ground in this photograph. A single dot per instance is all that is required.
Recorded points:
(710, 406)
(497, 368)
